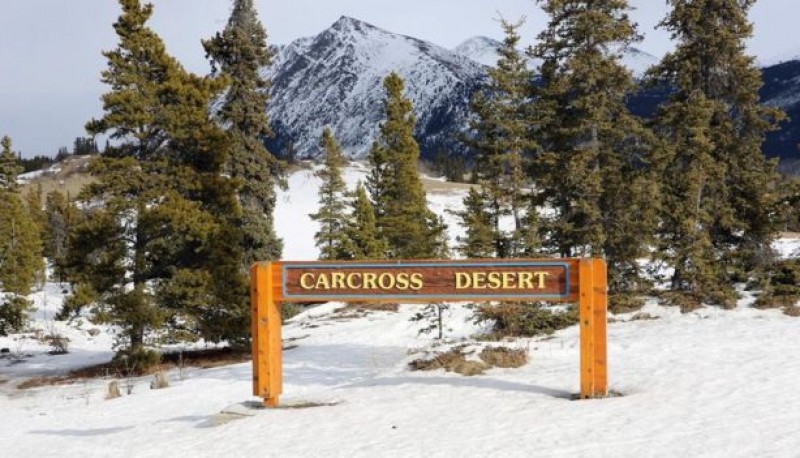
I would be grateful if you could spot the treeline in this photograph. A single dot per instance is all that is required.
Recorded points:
(579, 175)
(159, 245)
(565, 170)
(81, 147)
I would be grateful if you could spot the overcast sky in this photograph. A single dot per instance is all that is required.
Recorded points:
(50, 58)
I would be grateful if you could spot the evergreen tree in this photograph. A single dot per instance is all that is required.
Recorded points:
(9, 166)
(402, 216)
(478, 219)
(61, 215)
(239, 53)
(719, 189)
(362, 238)
(591, 166)
(20, 247)
(34, 201)
(503, 145)
(332, 215)
(162, 247)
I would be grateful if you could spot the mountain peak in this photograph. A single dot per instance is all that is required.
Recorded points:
(350, 24)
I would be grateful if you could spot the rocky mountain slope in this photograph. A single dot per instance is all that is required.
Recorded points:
(335, 79)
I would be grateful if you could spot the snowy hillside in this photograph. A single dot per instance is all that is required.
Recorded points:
(335, 79)
(708, 383)
(484, 51)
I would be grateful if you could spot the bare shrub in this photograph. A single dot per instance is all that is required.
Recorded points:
(504, 357)
(59, 345)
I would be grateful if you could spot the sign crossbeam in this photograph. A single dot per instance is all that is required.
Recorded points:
(553, 280)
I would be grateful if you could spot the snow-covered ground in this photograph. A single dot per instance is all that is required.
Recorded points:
(707, 383)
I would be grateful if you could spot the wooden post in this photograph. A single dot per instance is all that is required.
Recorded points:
(600, 310)
(592, 302)
(266, 328)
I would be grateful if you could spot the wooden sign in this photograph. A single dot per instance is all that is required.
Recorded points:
(558, 280)
(425, 281)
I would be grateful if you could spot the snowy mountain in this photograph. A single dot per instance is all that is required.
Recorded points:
(480, 49)
(638, 61)
(484, 51)
(335, 78)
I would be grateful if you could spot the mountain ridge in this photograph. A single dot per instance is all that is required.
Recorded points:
(335, 78)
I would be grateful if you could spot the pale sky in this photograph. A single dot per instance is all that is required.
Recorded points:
(50, 59)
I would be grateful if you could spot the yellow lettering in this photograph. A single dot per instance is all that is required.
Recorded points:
(369, 280)
(310, 278)
(510, 280)
(337, 280)
(525, 280)
(322, 282)
(462, 280)
(416, 282)
(479, 280)
(494, 280)
(351, 277)
(403, 281)
(541, 276)
(386, 281)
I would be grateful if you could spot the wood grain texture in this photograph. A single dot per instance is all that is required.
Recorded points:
(428, 280)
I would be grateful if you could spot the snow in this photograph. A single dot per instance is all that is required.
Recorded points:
(484, 50)
(707, 383)
(335, 79)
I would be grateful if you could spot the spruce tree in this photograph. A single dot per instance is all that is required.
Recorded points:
(162, 249)
(332, 214)
(478, 219)
(9, 166)
(20, 247)
(591, 167)
(719, 189)
(503, 145)
(239, 53)
(402, 216)
(362, 240)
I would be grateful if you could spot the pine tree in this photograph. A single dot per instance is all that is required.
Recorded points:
(239, 53)
(165, 226)
(719, 190)
(503, 145)
(61, 216)
(477, 217)
(331, 216)
(402, 216)
(591, 168)
(362, 238)
(9, 166)
(20, 247)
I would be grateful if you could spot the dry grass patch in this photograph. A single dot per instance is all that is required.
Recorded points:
(792, 311)
(454, 360)
(37, 382)
(504, 357)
